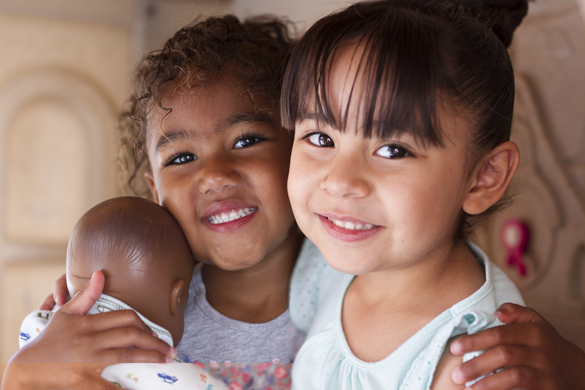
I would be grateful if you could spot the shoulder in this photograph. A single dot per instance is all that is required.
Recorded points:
(442, 377)
(501, 287)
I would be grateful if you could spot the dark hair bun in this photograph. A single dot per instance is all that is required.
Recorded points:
(505, 14)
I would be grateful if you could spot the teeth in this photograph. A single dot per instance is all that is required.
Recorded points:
(230, 216)
(351, 225)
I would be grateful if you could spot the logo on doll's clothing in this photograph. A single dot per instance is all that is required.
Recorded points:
(44, 315)
(24, 336)
(167, 378)
(103, 309)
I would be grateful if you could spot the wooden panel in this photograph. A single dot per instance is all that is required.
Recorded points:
(25, 285)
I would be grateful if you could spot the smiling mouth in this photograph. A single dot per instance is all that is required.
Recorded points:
(233, 215)
(351, 225)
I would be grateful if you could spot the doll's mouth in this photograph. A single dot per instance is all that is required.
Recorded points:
(229, 216)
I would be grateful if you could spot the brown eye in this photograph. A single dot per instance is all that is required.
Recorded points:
(321, 139)
(248, 140)
(182, 158)
(393, 151)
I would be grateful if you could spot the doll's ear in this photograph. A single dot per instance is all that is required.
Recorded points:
(491, 178)
(150, 180)
(176, 293)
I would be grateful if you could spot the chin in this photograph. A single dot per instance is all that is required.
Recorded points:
(347, 266)
(235, 265)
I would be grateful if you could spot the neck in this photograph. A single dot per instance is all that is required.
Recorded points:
(382, 310)
(259, 293)
(452, 273)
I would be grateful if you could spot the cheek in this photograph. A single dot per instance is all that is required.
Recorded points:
(297, 183)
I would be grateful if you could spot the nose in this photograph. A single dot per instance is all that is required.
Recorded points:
(346, 177)
(216, 175)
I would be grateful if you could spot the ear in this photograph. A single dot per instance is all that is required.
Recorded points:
(150, 180)
(491, 178)
(176, 293)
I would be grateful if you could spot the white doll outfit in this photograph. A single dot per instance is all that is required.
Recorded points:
(134, 376)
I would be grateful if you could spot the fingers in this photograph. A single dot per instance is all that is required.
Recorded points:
(496, 358)
(135, 356)
(84, 300)
(515, 334)
(112, 320)
(48, 303)
(513, 378)
(510, 313)
(131, 337)
(59, 295)
(60, 291)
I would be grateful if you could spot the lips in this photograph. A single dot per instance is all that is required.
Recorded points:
(228, 215)
(348, 229)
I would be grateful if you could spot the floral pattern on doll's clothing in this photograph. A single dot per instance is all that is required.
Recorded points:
(251, 376)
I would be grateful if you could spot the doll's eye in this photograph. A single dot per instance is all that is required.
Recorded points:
(248, 140)
(321, 139)
(393, 151)
(182, 158)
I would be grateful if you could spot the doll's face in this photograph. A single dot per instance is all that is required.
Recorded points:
(219, 164)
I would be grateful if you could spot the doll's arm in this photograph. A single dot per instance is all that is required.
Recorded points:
(95, 341)
(533, 353)
(59, 295)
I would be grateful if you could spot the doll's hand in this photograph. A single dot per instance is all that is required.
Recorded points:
(94, 340)
(533, 353)
(59, 295)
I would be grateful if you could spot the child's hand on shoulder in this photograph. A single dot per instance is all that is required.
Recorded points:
(534, 354)
(442, 378)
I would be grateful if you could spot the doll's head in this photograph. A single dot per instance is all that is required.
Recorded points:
(402, 113)
(143, 254)
(204, 131)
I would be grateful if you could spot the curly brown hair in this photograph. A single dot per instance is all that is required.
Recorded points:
(253, 54)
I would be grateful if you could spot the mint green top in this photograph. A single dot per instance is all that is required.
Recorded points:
(325, 361)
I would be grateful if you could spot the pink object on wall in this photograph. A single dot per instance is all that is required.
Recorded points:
(515, 237)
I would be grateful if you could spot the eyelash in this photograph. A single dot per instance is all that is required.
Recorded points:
(246, 136)
(309, 135)
(171, 161)
(395, 147)
(257, 137)
(398, 151)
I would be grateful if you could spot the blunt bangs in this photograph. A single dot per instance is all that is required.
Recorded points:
(402, 73)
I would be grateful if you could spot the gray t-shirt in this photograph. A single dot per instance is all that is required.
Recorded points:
(210, 336)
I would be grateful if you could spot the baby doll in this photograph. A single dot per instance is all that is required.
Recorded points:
(147, 264)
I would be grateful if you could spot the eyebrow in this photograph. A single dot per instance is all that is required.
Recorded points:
(247, 117)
